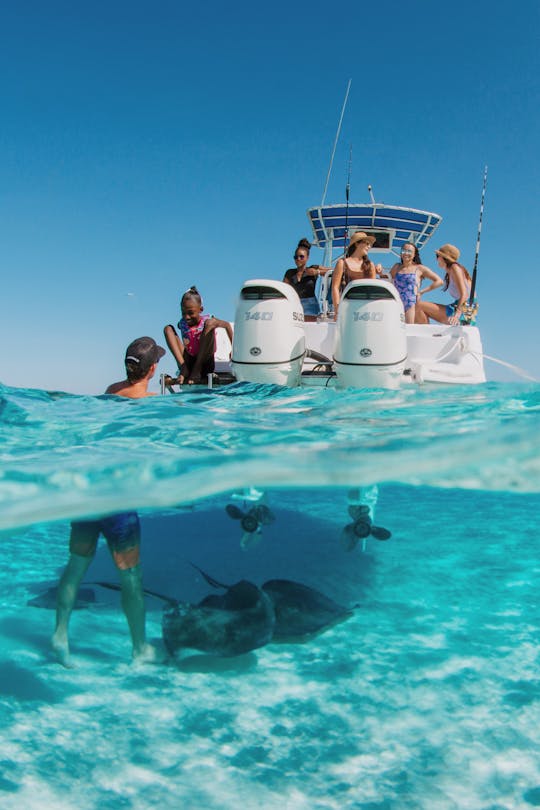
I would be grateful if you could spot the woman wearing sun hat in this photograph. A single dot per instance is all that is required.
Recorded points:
(354, 265)
(458, 283)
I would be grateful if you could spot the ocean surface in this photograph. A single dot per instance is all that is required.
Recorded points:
(427, 696)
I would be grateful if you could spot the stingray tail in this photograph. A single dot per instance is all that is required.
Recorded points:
(114, 587)
(211, 581)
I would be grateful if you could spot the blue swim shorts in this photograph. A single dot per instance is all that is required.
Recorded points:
(122, 533)
(451, 310)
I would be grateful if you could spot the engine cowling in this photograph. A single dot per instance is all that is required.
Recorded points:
(269, 343)
(371, 343)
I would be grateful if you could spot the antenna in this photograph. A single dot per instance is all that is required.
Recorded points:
(335, 143)
(347, 193)
(371, 194)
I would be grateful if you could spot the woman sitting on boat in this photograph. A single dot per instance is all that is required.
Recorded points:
(304, 278)
(407, 276)
(355, 265)
(458, 283)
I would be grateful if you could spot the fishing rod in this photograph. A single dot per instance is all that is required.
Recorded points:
(335, 143)
(475, 268)
(347, 193)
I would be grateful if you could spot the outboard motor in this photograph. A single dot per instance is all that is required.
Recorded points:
(269, 343)
(371, 343)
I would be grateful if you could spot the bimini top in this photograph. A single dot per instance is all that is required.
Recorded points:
(390, 224)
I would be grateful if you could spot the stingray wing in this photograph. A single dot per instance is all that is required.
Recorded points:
(302, 612)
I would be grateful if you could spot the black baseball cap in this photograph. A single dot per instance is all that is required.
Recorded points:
(143, 352)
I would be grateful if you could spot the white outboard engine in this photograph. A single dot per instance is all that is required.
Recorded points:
(371, 343)
(269, 343)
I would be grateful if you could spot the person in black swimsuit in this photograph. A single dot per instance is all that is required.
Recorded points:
(304, 278)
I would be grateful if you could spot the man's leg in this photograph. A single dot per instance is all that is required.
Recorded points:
(134, 609)
(82, 546)
(123, 533)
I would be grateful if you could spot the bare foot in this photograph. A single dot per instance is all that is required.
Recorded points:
(147, 655)
(60, 648)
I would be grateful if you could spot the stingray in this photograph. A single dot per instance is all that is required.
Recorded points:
(47, 599)
(302, 612)
(233, 623)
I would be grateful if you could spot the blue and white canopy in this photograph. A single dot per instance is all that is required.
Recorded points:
(392, 225)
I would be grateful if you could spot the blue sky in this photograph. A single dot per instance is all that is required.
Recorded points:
(147, 146)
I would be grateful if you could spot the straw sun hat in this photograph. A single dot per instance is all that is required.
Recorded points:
(360, 236)
(448, 252)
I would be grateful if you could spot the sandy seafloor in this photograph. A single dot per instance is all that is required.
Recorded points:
(427, 697)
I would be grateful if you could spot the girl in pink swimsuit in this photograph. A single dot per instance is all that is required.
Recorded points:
(194, 349)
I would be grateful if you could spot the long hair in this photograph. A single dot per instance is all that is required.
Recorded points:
(366, 262)
(447, 276)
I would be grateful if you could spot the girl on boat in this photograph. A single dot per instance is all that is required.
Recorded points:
(458, 283)
(407, 276)
(355, 265)
(303, 279)
(194, 349)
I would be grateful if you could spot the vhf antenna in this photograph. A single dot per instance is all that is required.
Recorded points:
(335, 143)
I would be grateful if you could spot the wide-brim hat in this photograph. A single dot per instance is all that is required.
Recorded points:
(360, 236)
(448, 252)
(144, 351)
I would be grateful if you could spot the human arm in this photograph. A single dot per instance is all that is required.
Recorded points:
(317, 270)
(425, 272)
(215, 322)
(336, 285)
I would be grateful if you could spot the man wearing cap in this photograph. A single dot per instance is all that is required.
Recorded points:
(122, 532)
(142, 357)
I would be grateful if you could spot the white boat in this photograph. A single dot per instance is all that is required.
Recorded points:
(369, 345)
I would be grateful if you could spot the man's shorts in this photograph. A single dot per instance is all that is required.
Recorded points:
(122, 533)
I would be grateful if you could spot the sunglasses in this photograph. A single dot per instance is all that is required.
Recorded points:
(299, 256)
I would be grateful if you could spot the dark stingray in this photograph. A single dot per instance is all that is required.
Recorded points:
(233, 623)
(302, 612)
(47, 599)
(236, 622)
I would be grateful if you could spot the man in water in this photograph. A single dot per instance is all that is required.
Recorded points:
(122, 532)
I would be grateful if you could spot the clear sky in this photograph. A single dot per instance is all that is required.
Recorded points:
(147, 146)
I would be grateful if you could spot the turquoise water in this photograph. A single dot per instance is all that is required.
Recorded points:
(427, 697)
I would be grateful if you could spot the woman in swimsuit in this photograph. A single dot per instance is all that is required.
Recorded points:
(355, 265)
(304, 278)
(458, 283)
(407, 276)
